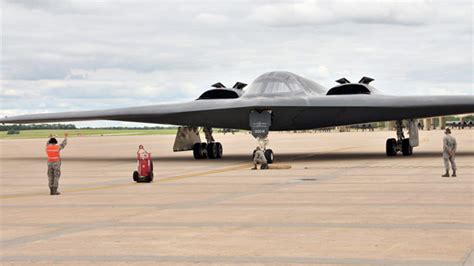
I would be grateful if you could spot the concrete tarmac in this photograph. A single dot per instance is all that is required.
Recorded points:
(343, 202)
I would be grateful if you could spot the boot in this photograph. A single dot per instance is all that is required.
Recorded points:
(51, 192)
(454, 173)
(446, 174)
(55, 191)
(264, 166)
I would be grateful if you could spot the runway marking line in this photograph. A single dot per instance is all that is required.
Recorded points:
(167, 179)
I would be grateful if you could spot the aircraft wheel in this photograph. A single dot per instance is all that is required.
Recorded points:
(391, 147)
(407, 150)
(269, 156)
(212, 150)
(197, 151)
(219, 150)
(203, 150)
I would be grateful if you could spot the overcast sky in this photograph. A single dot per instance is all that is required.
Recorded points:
(82, 55)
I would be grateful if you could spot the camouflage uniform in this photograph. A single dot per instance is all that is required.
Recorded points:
(259, 158)
(449, 148)
(54, 169)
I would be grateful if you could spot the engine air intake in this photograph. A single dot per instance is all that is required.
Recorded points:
(218, 94)
(348, 89)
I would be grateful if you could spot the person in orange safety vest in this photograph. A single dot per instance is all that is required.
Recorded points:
(54, 163)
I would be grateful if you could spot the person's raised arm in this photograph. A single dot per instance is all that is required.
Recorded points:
(64, 143)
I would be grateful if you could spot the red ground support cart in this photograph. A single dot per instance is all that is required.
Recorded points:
(144, 173)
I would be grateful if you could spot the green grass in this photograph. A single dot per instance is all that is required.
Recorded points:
(44, 133)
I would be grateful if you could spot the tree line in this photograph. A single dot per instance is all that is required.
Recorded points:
(34, 126)
(68, 127)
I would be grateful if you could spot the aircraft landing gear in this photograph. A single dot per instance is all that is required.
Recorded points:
(209, 149)
(269, 155)
(204, 150)
(402, 144)
(260, 122)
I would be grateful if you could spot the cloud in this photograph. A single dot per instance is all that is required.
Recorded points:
(54, 7)
(454, 73)
(296, 14)
(211, 19)
(81, 55)
(313, 13)
(320, 72)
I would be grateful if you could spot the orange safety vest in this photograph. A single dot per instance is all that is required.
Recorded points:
(53, 153)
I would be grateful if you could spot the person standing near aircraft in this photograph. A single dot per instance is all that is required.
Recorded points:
(54, 163)
(449, 152)
(259, 158)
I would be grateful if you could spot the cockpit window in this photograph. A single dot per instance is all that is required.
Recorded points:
(282, 83)
(273, 87)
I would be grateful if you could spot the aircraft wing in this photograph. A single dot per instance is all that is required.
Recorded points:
(355, 109)
(145, 114)
(288, 113)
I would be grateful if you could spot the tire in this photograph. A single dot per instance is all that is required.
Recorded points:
(203, 150)
(407, 150)
(135, 176)
(219, 150)
(391, 147)
(269, 156)
(197, 151)
(212, 150)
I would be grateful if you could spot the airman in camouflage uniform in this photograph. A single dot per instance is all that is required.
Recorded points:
(259, 158)
(449, 152)
(54, 163)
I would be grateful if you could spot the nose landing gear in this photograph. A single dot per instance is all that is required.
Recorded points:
(269, 155)
(260, 122)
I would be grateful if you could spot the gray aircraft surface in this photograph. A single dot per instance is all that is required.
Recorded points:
(277, 101)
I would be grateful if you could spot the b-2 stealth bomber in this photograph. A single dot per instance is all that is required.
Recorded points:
(277, 101)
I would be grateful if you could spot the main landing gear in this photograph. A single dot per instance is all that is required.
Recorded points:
(402, 144)
(209, 149)
(205, 150)
(188, 139)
